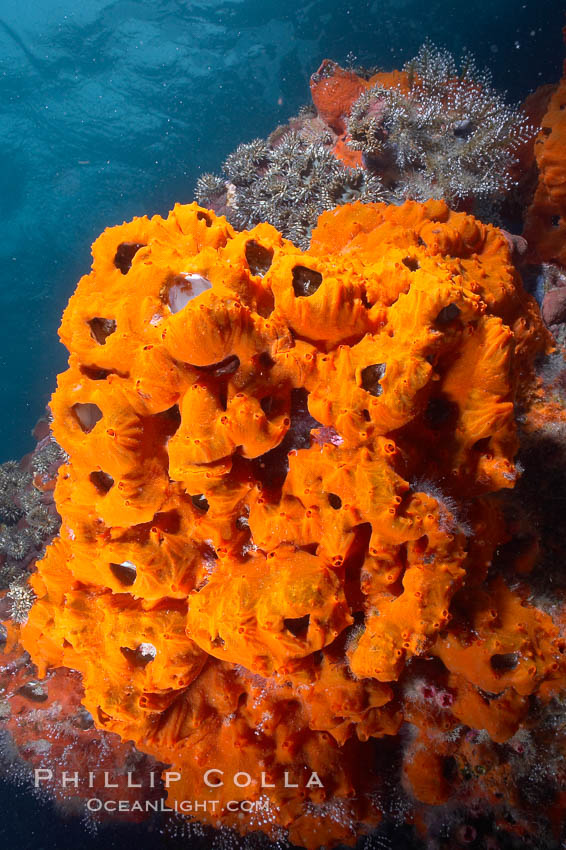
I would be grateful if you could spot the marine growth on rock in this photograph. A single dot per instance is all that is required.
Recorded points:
(435, 129)
(285, 488)
(26, 520)
(442, 131)
(288, 183)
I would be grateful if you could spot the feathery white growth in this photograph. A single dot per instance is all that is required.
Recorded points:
(451, 135)
(289, 185)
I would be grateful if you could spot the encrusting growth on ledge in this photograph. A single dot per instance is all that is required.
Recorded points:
(282, 499)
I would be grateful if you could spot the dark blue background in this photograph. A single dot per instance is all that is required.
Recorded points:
(112, 109)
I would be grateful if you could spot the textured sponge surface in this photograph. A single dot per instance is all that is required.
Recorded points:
(283, 465)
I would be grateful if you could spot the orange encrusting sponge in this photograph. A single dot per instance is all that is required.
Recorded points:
(262, 511)
(545, 224)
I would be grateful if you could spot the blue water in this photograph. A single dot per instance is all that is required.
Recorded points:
(112, 109)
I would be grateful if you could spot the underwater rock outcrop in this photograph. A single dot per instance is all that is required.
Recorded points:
(439, 131)
(287, 182)
(284, 492)
(435, 129)
(28, 519)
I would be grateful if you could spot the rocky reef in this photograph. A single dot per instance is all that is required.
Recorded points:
(434, 129)
(285, 492)
(442, 132)
(309, 460)
(28, 518)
